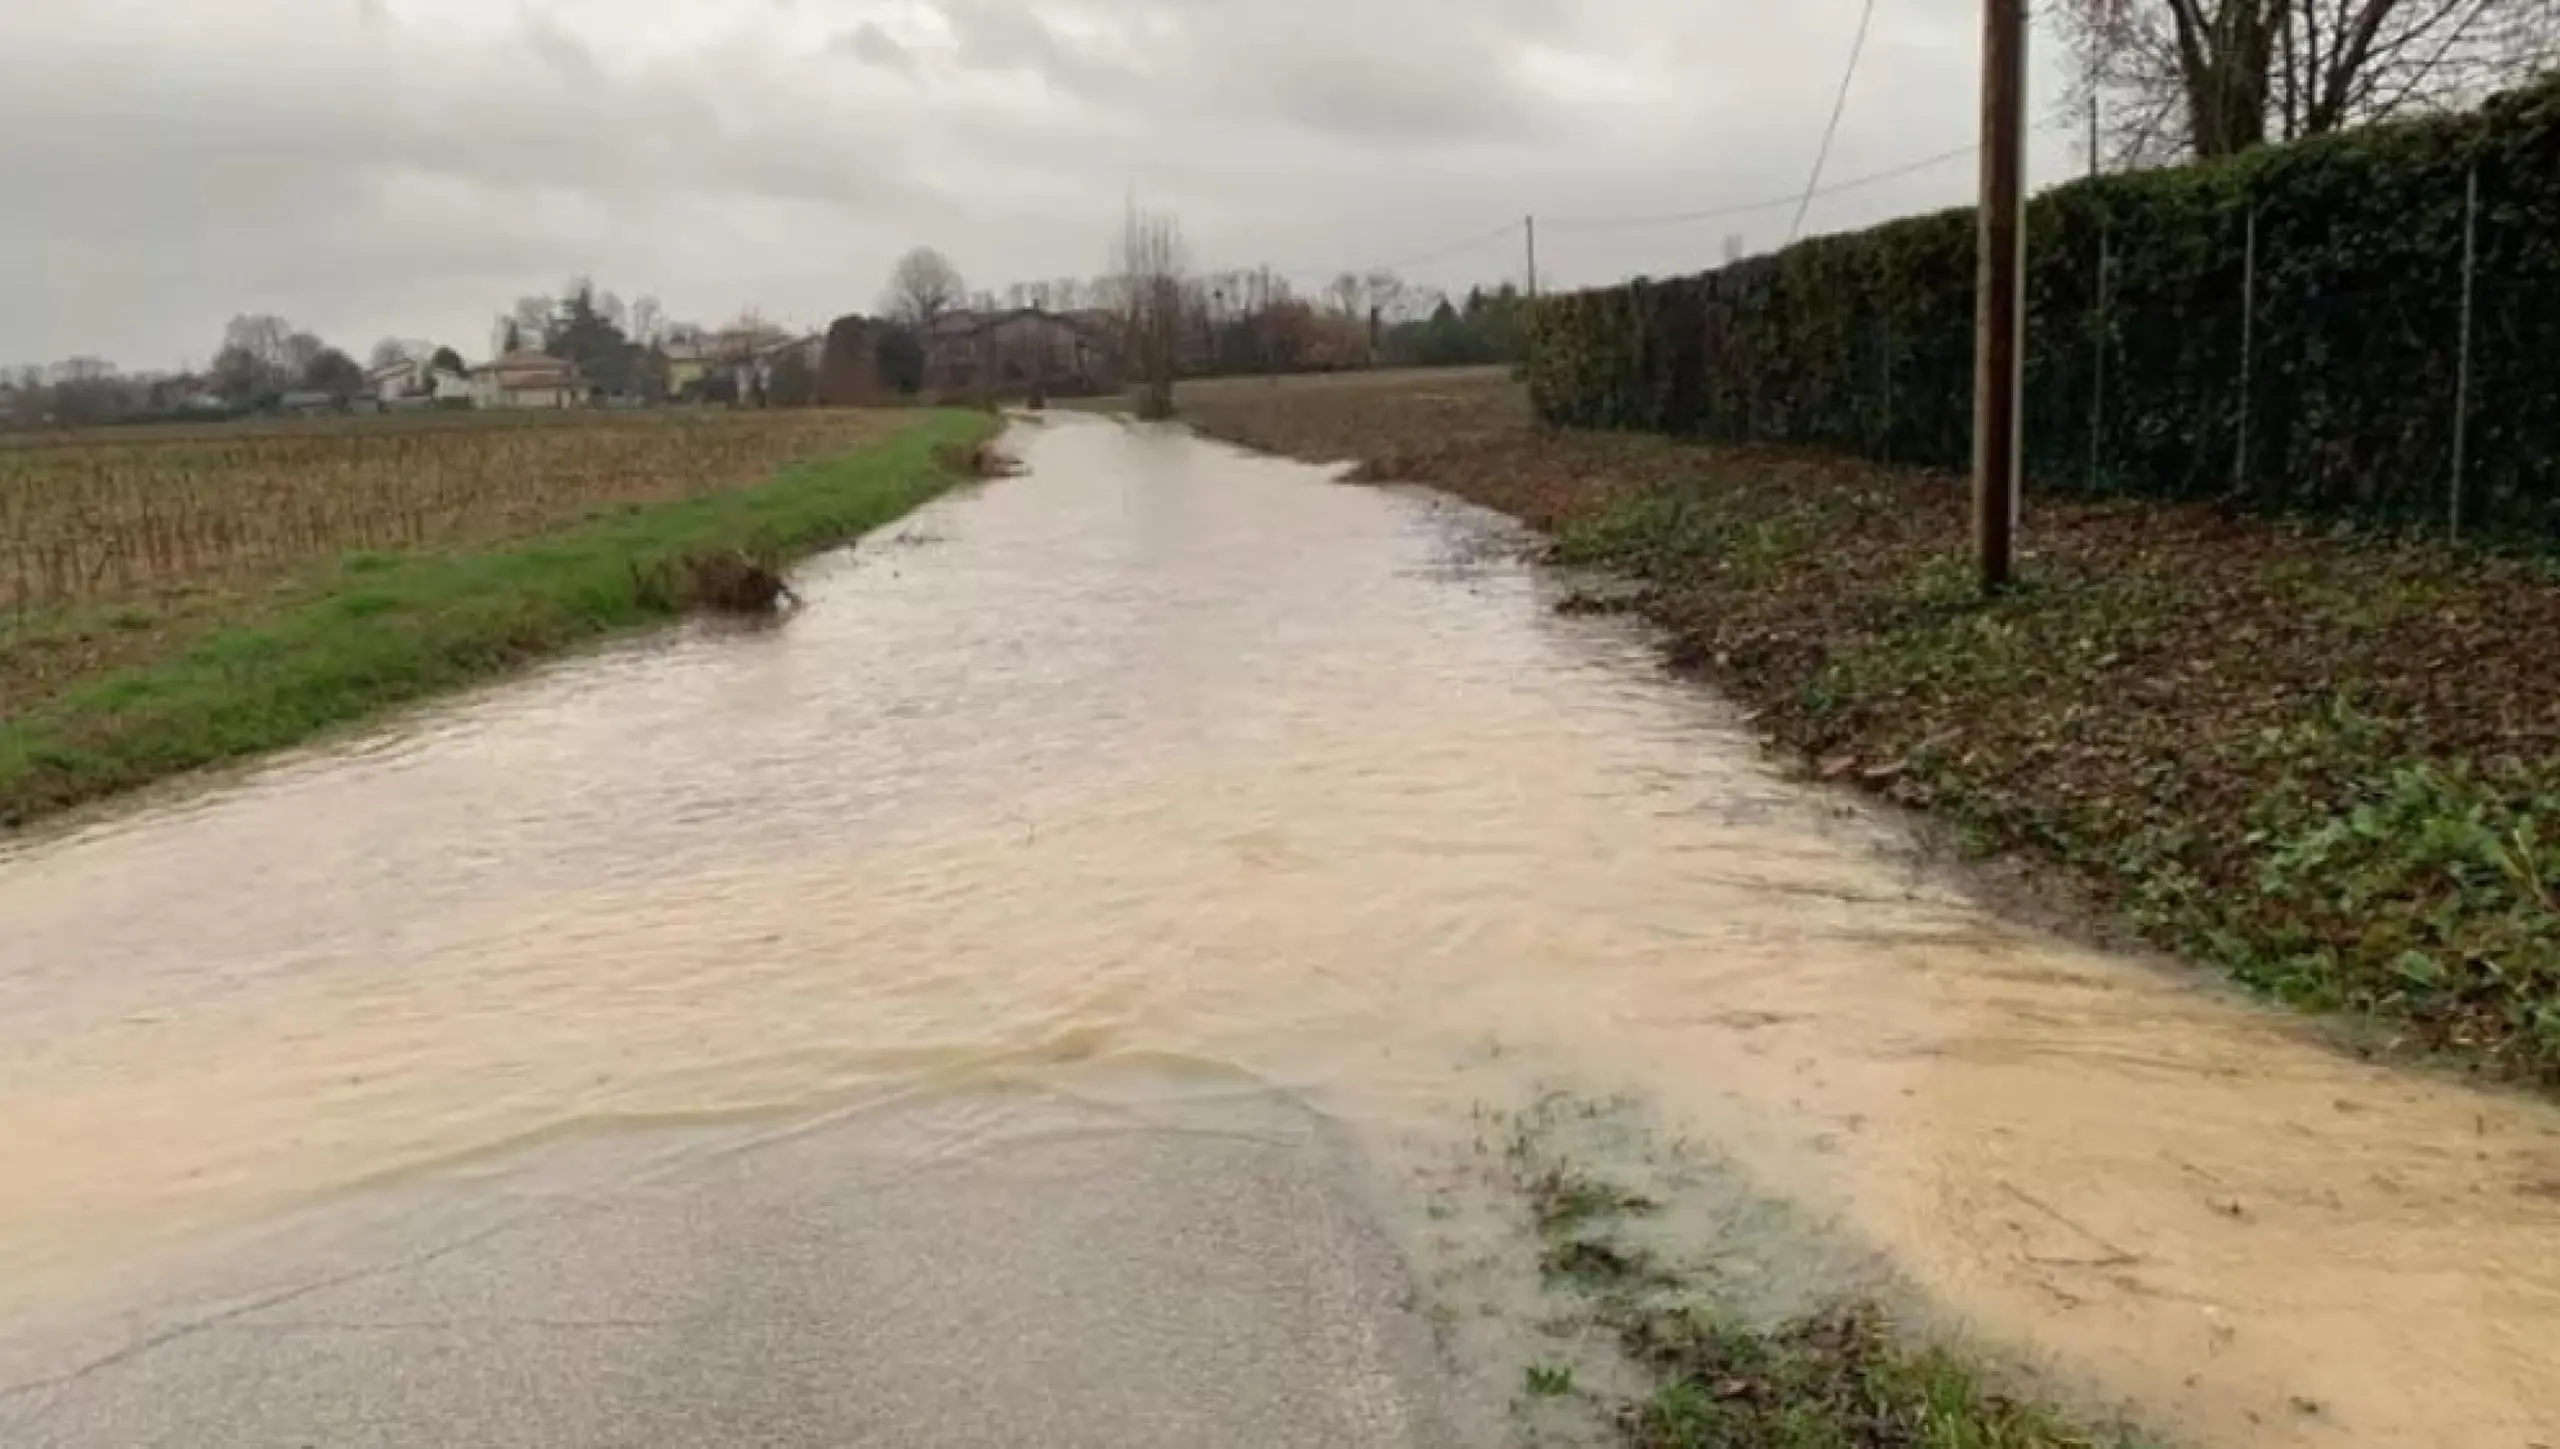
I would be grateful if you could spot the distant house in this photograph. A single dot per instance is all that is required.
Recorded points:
(307, 402)
(1024, 350)
(526, 379)
(755, 375)
(689, 362)
(811, 350)
(743, 356)
(394, 381)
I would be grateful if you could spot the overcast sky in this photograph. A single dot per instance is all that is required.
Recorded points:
(409, 167)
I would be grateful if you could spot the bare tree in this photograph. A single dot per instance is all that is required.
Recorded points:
(261, 338)
(1147, 270)
(1393, 298)
(1346, 295)
(240, 377)
(741, 337)
(648, 321)
(87, 390)
(922, 287)
(532, 318)
(302, 350)
(2216, 77)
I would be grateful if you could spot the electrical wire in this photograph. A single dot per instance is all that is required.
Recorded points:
(1839, 108)
(1320, 277)
(1718, 213)
(1441, 253)
(1633, 221)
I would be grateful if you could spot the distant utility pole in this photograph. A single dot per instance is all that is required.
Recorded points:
(1999, 325)
(1530, 224)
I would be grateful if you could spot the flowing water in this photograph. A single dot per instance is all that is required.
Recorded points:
(1162, 769)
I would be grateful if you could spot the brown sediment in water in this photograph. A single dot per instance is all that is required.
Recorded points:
(1172, 767)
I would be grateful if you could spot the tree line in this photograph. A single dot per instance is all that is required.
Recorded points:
(1167, 317)
(262, 359)
(1160, 313)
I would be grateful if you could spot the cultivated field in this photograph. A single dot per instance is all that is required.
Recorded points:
(119, 545)
(111, 515)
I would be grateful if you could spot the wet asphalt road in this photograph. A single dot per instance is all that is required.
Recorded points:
(969, 1272)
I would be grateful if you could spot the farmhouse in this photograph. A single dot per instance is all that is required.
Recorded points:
(526, 379)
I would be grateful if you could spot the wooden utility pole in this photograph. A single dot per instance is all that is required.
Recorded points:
(1999, 341)
(1530, 223)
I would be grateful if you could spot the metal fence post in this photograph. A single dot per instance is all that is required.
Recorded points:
(2248, 350)
(2462, 369)
(2098, 341)
(1885, 349)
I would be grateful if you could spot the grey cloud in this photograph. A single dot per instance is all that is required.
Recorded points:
(1010, 38)
(872, 45)
(395, 166)
(1373, 72)
(1387, 99)
(563, 52)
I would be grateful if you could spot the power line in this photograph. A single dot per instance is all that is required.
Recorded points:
(1718, 213)
(1839, 108)
(1443, 253)
(1320, 276)
(1470, 243)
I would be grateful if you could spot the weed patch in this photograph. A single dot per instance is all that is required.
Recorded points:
(1708, 1374)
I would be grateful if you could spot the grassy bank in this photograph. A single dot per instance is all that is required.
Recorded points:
(122, 547)
(2328, 761)
(378, 629)
(1686, 1364)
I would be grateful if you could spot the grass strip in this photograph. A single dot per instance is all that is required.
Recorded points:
(391, 629)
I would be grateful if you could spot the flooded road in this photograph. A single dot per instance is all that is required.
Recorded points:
(1164, 777)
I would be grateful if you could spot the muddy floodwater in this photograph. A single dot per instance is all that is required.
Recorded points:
(1161, 772)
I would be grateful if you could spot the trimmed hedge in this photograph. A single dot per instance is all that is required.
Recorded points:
(1865, 341)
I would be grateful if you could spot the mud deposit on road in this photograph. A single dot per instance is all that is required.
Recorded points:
(1166, 769)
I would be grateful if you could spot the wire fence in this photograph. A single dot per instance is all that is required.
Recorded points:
(2232, 361)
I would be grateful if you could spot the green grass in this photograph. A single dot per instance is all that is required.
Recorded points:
(1840, 1380)
(391, 629)
(1547, 1381)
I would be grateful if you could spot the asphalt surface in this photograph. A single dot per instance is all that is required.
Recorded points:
(997, 1267)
